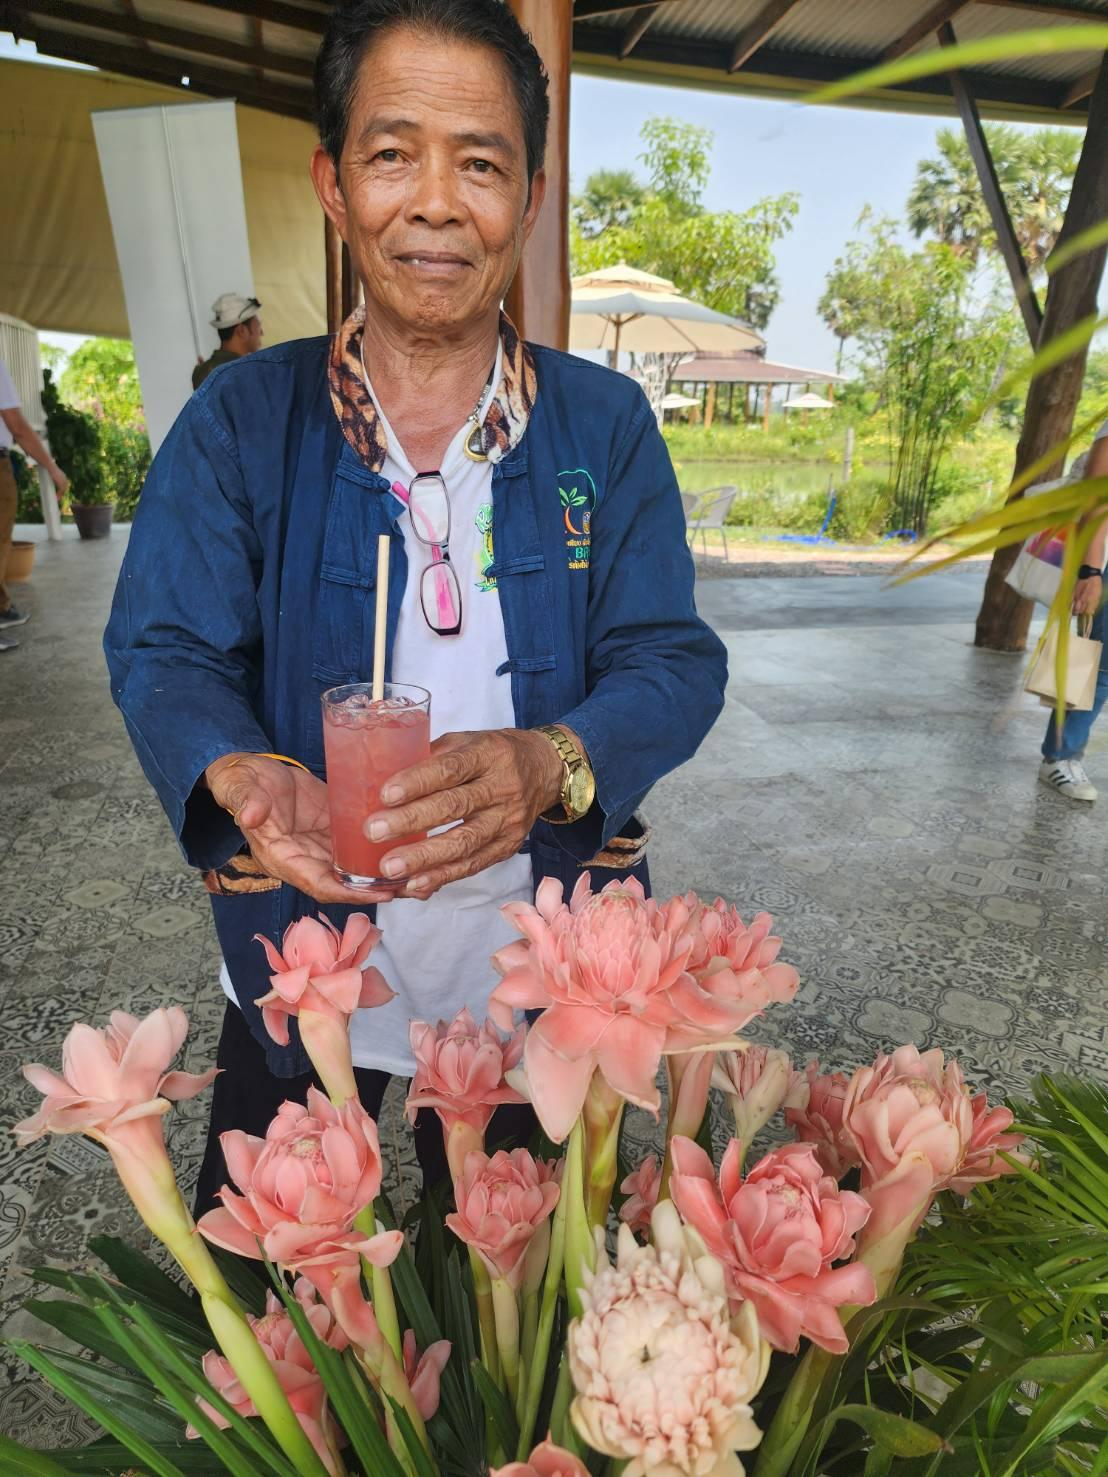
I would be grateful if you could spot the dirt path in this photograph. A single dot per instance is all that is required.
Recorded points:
(754, 558)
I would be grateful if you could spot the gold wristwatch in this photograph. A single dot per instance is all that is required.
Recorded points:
(578, 784)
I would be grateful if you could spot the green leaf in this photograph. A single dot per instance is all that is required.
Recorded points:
(22, 1461)
(893, 1433)
(497, 1404)
(421, 1458)
(1059, 1409)
(143, 1276)
(1015, 46)
(108, 1458)
(103, 1414)
(347, 1391)
(1087, 240)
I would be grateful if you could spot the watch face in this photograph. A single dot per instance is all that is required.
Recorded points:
(581, 791)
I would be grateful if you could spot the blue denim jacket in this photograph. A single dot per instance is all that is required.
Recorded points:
(247, 590)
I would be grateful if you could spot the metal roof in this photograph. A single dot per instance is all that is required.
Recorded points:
(261, 51)
(749, 368)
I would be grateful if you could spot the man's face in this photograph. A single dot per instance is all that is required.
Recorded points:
(433, 199)
(251, 335)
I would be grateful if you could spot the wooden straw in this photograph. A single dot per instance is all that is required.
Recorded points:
(381, 620)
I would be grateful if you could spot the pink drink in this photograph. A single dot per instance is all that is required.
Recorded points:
(365, 744)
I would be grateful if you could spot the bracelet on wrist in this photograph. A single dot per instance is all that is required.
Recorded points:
(1090, 572)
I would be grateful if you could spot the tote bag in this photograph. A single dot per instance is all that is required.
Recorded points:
(1082, 666)
(1037, 572)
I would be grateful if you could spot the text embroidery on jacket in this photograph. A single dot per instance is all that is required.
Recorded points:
(577, 492)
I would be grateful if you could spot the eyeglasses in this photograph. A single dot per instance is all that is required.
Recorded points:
(440, 595)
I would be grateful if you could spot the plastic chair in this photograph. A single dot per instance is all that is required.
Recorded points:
(712, 514)
(689, 501)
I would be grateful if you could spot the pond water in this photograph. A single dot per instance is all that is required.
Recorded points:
(781, 481)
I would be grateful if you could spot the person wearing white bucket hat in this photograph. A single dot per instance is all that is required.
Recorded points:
(236, 319)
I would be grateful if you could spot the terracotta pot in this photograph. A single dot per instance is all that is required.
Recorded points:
(93, 520)
(20, 561)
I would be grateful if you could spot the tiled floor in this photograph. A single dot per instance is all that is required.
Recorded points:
(871, 783)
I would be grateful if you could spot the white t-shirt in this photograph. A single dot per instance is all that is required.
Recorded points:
(9, 400)
(435, 954)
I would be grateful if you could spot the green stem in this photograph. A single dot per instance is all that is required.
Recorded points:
(486, 1317)
(506, 1312)
(539, 1351)
(561, 1427)
(530, 1331)
(580, 1249)
(384, 1301)
(149, 1180)
(603, 1113)
(790, 1424)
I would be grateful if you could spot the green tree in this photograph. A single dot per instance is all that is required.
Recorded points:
(926, 346)
(610, 198)
(724, 259)
(1035, 171)
(100, 376)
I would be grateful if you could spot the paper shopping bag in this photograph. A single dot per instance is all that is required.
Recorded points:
(1082, 666)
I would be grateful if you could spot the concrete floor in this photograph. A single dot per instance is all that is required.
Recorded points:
(871, 783)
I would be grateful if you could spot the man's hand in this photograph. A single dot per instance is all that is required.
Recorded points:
(282, 812)
(497, 784)
(1087, 596)
(60, 480)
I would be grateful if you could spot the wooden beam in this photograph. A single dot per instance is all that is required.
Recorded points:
(257, 32)
(280, 12)
(199, 43)
(1078, 91)
(919, 30)
(758, 32)
(1047, 7)
(584, 9)
(538, 300)
(711, 58)
(131, 62)
(635, 30)
(994, 197)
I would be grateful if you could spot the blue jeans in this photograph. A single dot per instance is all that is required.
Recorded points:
(1075, 730)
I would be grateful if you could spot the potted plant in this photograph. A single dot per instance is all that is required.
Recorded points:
(74, 438)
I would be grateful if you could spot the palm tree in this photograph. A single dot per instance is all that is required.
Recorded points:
(1035, 171)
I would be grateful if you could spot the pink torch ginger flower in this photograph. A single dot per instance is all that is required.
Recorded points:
(777, 1234)
(757, 1083)
(641, 1188)
(460, 1071)
(423, 1372)
(611, 974)
(917, 1131)
(546, 1460)
(302, 1186)
(292, 1363)
(319, 969)
(821, 1121)
(503, 1204)
(115, 1083)
(664, 1376)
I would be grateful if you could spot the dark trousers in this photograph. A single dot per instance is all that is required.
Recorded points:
(247, 1095)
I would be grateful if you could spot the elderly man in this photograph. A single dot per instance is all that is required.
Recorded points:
(576, 672)
(237, 321)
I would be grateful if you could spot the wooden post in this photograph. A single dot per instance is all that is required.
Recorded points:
(994, 197)
(1052, 398)
(748, 411)
(768, 393)
(710, 406)
(539, 297)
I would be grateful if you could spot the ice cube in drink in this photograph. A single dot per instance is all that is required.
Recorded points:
(365, 743)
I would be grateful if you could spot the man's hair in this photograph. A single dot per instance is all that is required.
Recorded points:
(226, 334)
(355, 24)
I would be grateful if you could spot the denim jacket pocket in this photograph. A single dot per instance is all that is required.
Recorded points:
(339, 626)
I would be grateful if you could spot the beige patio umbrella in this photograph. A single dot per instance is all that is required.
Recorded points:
(623, 308)
(809, 401)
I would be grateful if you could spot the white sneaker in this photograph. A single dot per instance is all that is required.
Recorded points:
(1068, 777)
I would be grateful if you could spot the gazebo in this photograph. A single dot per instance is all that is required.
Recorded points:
(756, 375)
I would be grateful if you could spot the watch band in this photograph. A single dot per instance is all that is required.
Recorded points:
(1090, 572)
(574, 759)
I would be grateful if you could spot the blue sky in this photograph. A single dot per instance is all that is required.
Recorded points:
(838, 160)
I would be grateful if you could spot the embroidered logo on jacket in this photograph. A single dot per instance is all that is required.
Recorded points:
(577, 492)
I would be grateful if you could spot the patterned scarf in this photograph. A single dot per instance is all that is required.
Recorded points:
(504, 423)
